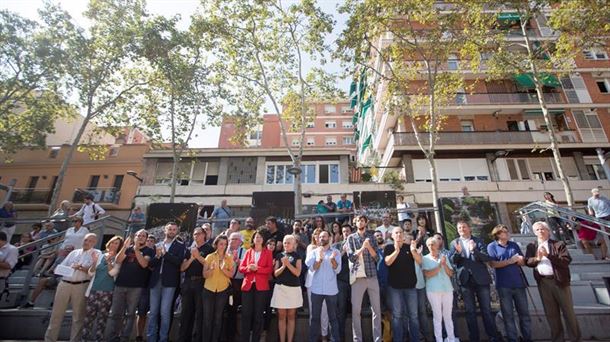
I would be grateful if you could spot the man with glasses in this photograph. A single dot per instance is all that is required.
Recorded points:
(237, 252)
(192, 266)
(132, 278)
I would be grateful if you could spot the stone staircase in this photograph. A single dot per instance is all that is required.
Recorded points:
(590, 296)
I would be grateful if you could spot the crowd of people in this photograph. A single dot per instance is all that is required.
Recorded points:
(259, 272)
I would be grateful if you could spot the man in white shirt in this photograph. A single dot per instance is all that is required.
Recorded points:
(90, 211)
(71, 290)
(8, 259)
(386, 227)
(75, 235)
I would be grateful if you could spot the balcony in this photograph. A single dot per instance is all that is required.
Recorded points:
(484, 138)
(31, 196)
(505, 98)
(100, 195)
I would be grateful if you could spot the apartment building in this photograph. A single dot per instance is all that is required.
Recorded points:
(332, 126)
(495, 141)
(241, 175)
(33, 172)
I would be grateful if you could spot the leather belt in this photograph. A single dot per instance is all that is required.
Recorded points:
(76, 282)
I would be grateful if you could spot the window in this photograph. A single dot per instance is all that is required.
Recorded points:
(311, 141)
(347, 125)
(255, 135)
(94, 181)
(596, 171)
(467, 125)
(595, 54)
(118, 182)
(33, 182)
(329, 108)
(346, 109)
(54, 152)
(349, 140)
(296, 142)
(193, 172)
(311, 124)
(330, 124)
(603, 86)
(453, 63)
(330, 141)
(278, 173)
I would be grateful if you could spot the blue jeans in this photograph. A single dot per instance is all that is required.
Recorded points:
(518, 297)
(316, 312)
(161, 301)
(343, 301)
(483, 296)
(422, 314)
(404, 305)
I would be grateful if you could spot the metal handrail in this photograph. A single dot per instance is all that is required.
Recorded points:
(94, 226)
(537, 206)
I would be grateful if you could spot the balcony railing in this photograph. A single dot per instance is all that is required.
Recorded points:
(505, 98)
(31, 196)
(480, 138)
(100, 195)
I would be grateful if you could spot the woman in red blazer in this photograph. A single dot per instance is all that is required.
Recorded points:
(257, 267)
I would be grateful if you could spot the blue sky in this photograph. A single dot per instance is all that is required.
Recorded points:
(207, 137)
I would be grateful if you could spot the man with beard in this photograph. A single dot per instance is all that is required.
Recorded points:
(164, 280)
(132, 278)
(326, 264)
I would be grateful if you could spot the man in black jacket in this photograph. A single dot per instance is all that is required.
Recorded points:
(469, 255)
(164, 280)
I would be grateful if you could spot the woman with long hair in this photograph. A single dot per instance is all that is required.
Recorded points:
(438, 272)
(257, 266)
(99, 294)
(217, 271)
(287, 295)
(308, 279)
(335, 232)
(553, 218)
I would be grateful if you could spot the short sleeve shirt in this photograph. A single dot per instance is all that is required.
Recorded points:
(131, 273)
(441, 281)
(401, 274)
(508, 276)
(601, 206)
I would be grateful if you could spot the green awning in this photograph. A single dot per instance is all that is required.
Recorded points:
(508, 17)
(366, 143)
(527, 81)
(355, 118)
(539, 111)
(356, 135)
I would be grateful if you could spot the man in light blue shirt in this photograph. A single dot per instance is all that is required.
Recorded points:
(326, 264)
(598, 205)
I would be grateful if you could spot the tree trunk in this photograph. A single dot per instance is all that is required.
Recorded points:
(64, 166)
(298, 190)
(176, 158)
(434, 181)
(545, 113)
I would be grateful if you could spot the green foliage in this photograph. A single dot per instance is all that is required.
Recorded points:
(31, 63)
(261, 47)
(393, 179)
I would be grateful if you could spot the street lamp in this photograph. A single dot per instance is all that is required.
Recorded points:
(134, 174)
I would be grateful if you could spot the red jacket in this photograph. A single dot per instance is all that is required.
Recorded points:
(263, 272)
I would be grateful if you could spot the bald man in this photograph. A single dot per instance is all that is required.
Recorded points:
(72, 288)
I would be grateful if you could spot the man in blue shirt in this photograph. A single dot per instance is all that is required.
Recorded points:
(221, 217)
(344, 206)
(598, 205)
(507, 259)
(326, 264)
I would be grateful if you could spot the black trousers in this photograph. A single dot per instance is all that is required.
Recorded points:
(192, 310)
(252, 311)
(212, 314)
(232, 308)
